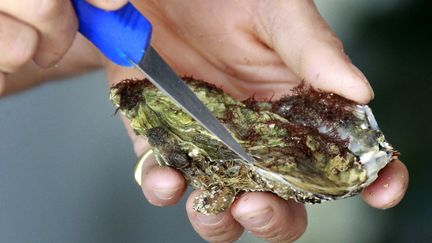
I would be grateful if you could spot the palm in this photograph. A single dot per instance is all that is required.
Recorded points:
(215, 41)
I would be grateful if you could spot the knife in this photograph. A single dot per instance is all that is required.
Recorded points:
(123, 36)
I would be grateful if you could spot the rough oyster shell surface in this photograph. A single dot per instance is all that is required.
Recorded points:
(310, 146)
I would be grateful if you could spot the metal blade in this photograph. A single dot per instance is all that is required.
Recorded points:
(166, 80)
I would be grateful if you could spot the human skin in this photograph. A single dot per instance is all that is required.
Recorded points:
(247, 47)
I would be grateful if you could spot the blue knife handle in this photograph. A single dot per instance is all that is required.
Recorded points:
(122, 35)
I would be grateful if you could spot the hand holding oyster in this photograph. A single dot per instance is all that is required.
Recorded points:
(310, 146)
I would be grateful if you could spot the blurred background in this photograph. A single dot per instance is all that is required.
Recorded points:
(66, 162)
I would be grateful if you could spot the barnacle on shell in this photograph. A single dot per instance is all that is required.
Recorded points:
(310, 146)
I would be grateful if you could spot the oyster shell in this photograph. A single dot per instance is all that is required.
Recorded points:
(310, 146)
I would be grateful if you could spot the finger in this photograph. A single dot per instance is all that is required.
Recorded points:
(54, 20)
(390, 187)
(270, 217)
(162, 186)
(17, 43)
(108, 4)
(71, 64)
(213, 228)
(308, 46)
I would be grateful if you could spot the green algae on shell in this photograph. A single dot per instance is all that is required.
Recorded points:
(310, 146)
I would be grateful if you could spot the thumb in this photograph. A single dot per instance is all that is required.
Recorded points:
(308, 46)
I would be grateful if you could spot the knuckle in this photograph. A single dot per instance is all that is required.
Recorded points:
(24, 48)
(215, 232)
(219, 233)
(219, 236)
(45, 10)
(17, 44)
(268, 234)
(280, 234)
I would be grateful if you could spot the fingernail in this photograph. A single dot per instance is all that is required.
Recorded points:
(359, 73)
(210, 219)
(361, 76)
(164, 193)
(257, 219)
(142, 160)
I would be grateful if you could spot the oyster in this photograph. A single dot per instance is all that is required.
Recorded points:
(310, 146)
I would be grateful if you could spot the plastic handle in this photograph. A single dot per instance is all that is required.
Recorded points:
(122, 35)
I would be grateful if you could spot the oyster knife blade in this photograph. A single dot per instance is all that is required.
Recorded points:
(166, 80)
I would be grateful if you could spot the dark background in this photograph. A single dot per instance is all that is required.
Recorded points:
(394, 50)
(66, 162)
